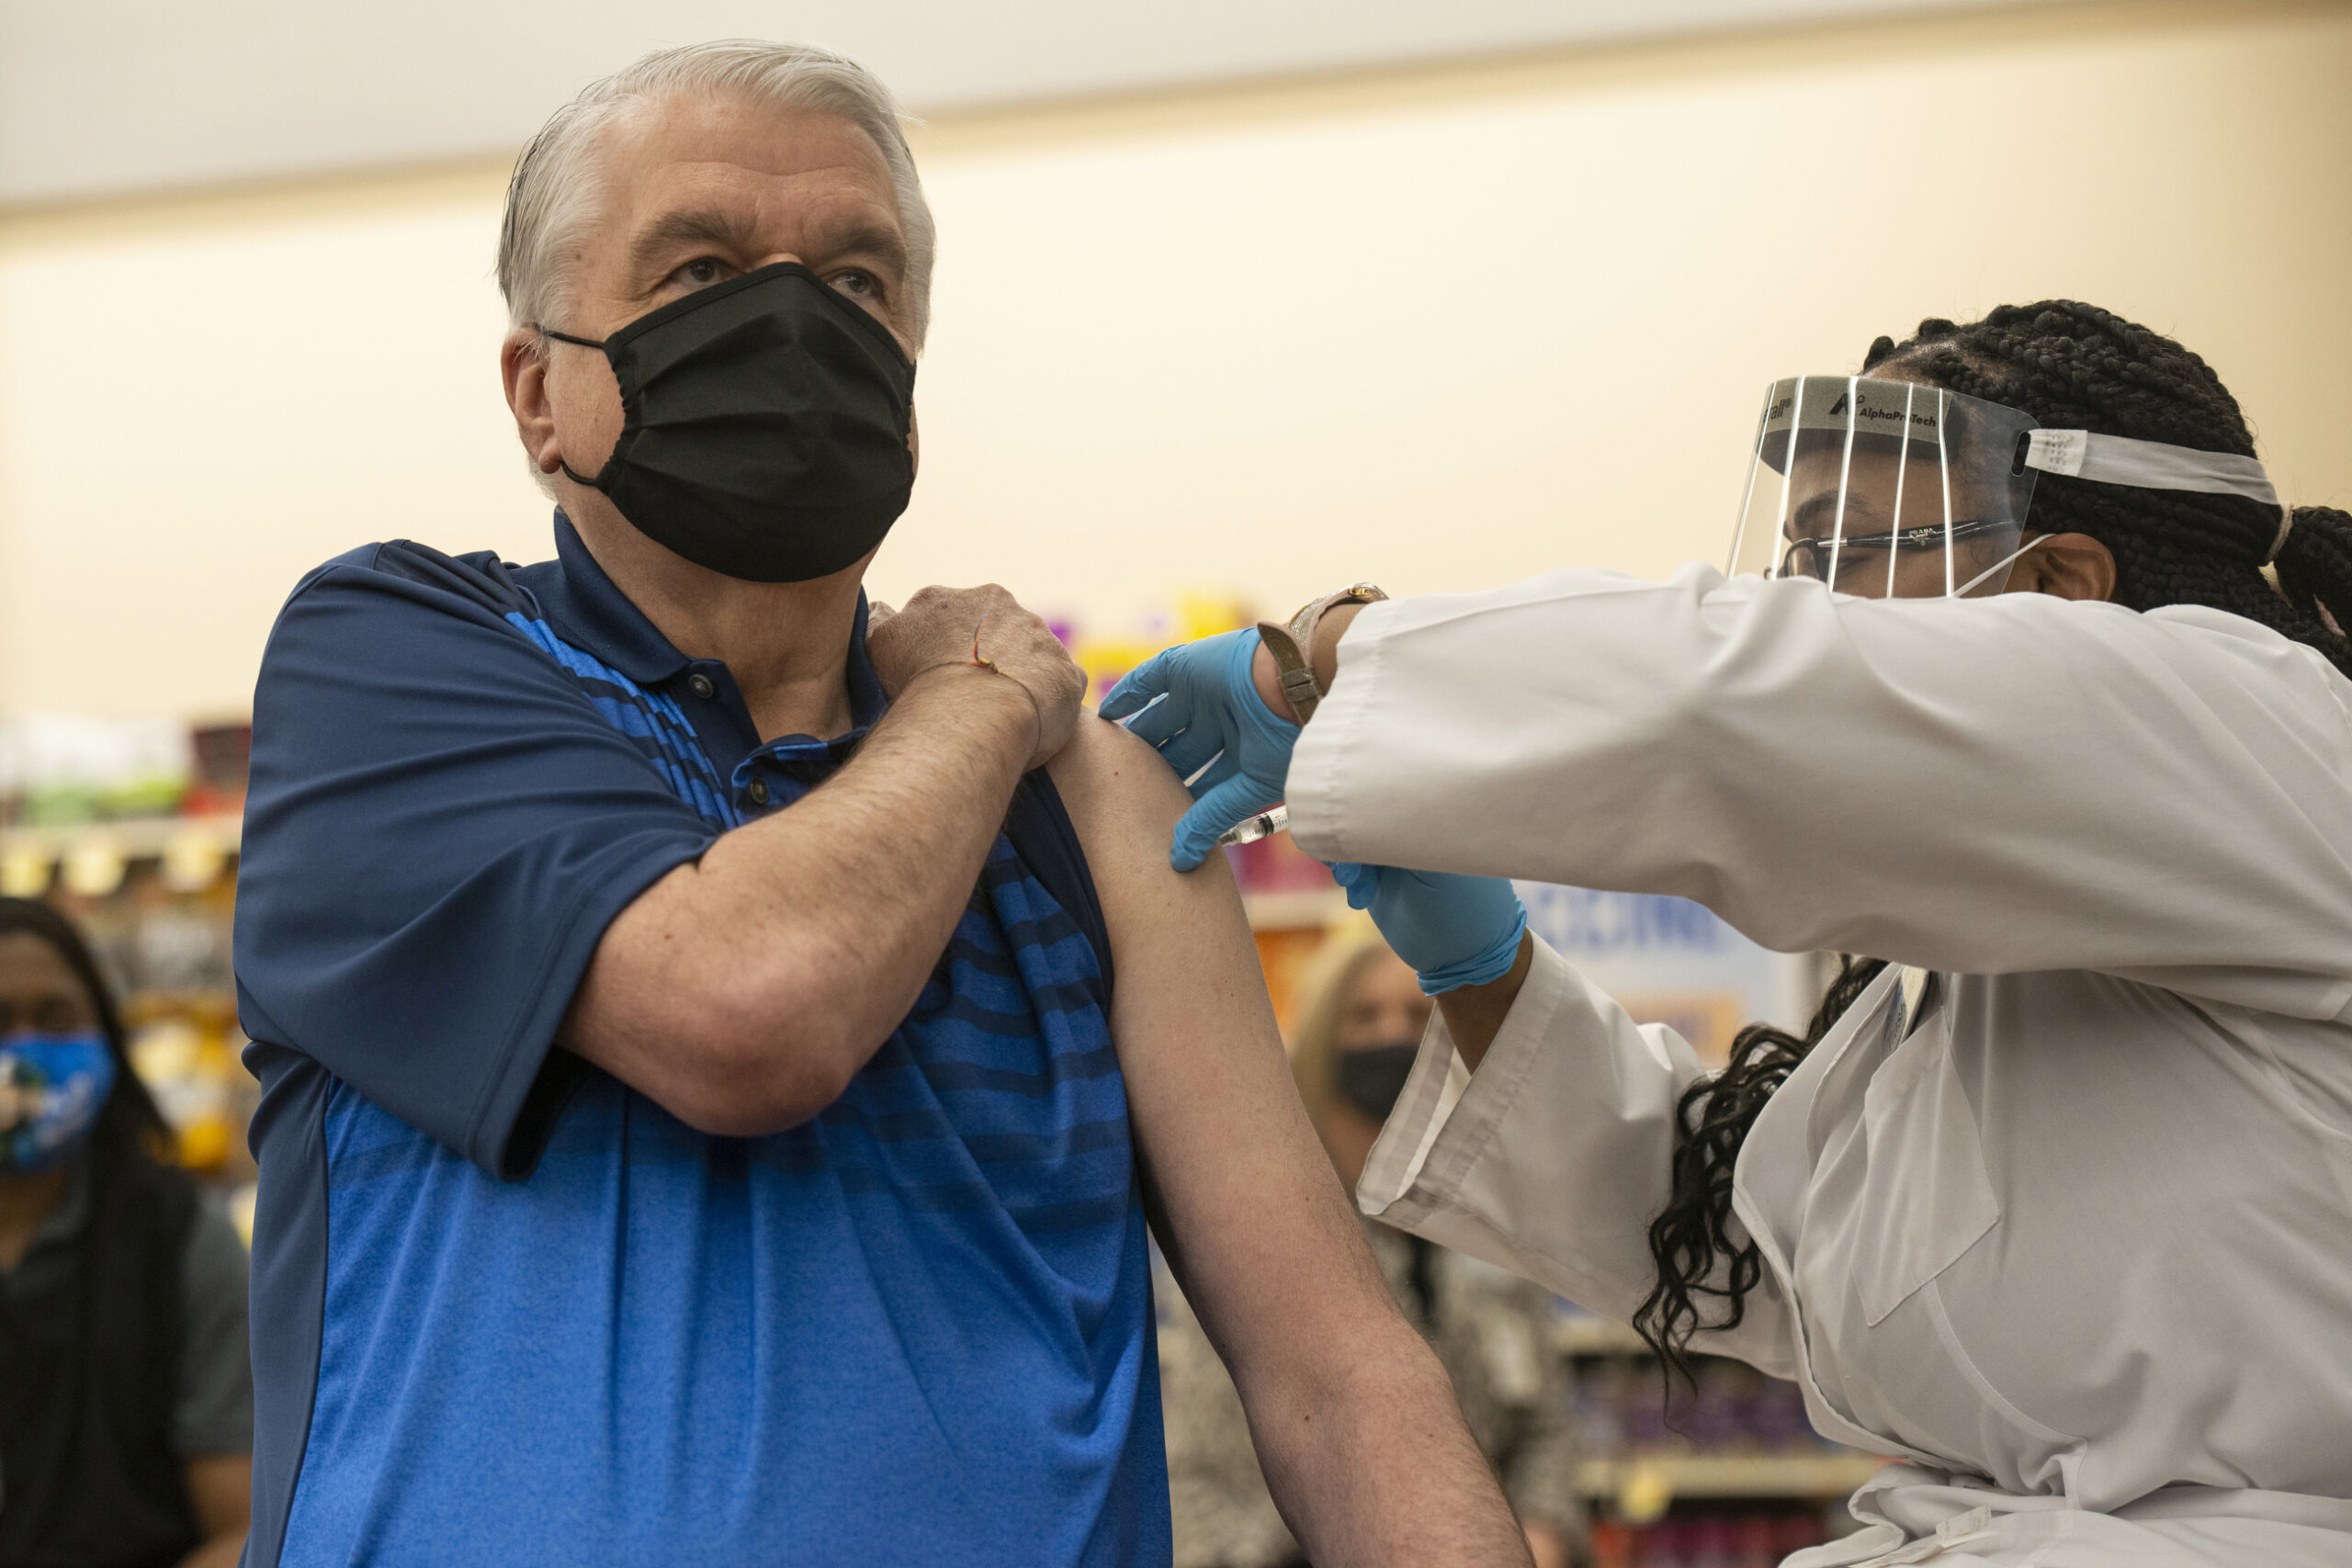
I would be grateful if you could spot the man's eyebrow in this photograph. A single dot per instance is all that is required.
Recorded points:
(725, 231)
(867, 238)
(695, 226)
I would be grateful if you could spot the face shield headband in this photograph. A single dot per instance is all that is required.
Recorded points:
(1891, 490)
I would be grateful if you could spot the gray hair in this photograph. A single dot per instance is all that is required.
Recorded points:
(551, 198)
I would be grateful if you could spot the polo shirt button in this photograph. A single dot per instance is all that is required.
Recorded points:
(759, 791)
(702, 685)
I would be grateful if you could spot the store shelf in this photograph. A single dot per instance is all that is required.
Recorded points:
(1667, 1476)
(1294, 911)
(90, 857)
(1595, 1336)
(133, 837)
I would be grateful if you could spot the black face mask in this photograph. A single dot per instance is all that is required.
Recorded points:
(764, 426)
(1371, 1080)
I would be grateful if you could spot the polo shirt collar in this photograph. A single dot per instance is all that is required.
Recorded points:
(592, 609)
(866, 702)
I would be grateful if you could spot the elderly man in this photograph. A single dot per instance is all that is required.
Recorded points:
(700, 1120)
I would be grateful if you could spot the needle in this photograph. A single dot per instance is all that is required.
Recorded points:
(1250, 830)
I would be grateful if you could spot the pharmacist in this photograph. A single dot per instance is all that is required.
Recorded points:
(2027, 687)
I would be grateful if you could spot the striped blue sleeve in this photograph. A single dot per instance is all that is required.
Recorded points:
(439, 828)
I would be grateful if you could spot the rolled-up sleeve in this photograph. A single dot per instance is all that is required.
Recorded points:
(1552, 1159)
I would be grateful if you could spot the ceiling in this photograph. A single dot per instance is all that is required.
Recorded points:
(103, 99)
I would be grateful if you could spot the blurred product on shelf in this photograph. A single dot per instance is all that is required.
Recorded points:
(58, 770)
(1620, 1412)
(189, 1060)
(224, 754)
(1751, 1538)
(1734, 1454)
(1107, 652)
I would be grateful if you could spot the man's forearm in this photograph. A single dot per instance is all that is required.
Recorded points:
(866, 877)
(1376, 1466)
(741, 992)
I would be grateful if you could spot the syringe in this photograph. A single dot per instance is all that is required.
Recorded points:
(1250, 830)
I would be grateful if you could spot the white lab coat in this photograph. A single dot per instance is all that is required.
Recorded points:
(2078, 1248)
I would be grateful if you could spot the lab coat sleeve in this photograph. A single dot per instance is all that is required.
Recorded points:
(1988, 786)
(1553, 1159)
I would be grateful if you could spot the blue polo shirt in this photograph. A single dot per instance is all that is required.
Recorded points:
(508, 1311)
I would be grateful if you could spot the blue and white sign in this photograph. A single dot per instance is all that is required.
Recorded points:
(1670, 961)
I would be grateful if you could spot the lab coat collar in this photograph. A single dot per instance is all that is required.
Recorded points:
(1775, 1163)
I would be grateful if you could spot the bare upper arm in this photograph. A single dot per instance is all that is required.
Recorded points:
(1254, 1219)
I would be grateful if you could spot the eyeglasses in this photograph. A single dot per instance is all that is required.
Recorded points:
(1810, 557)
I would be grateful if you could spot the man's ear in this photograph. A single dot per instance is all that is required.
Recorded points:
(523, 368)
(2072, 565)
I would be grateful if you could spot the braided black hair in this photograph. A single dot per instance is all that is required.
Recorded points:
(2076, 366)
(2071, 366)
(1689, 1237)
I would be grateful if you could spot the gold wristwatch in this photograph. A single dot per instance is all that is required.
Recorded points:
(1292, 645)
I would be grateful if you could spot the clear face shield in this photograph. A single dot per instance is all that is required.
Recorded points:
(1884, 488)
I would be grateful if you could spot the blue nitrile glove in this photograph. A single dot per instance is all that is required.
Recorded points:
(1454, 931)
(1209, 708)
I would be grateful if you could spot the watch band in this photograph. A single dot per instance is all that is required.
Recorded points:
(1292, 645)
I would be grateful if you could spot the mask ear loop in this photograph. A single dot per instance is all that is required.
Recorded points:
(598, 344)
(1962, 592)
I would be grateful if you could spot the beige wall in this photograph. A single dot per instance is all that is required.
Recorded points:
(1439, 330)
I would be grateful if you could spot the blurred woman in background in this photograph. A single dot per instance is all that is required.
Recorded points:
(126, 1392)
(1361, 1019)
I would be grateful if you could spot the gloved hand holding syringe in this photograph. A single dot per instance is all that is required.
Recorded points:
(1200, 704)
(1250, 830)
(1175, 673)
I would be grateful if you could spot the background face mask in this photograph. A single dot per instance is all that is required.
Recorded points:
(764, 426)
(1371, 1080)
(51, 1089)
